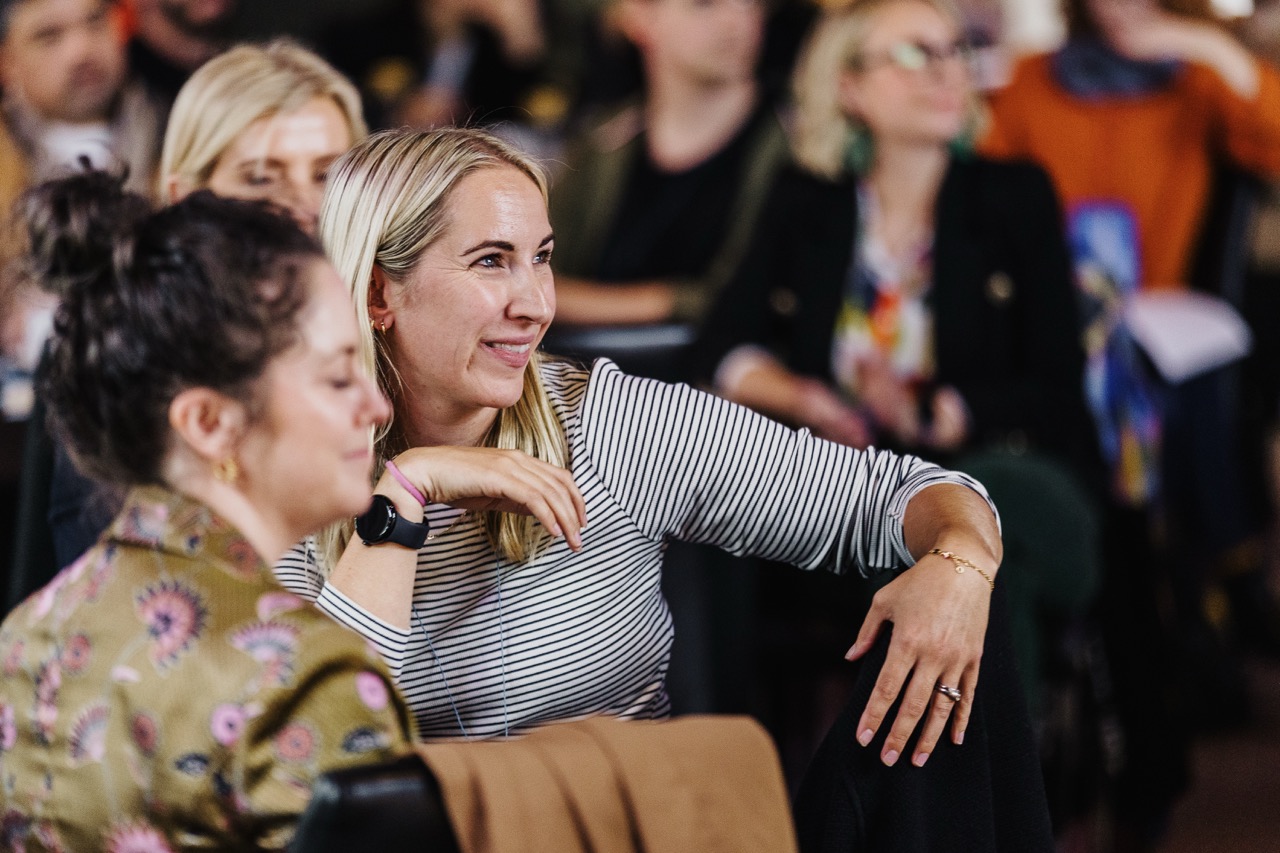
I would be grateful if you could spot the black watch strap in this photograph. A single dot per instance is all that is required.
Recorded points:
(382, 523)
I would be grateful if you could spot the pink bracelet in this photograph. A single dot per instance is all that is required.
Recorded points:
(404, 481)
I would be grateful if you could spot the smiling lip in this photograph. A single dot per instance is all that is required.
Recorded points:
(513, 353)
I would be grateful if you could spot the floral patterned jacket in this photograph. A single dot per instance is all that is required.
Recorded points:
(164, 693)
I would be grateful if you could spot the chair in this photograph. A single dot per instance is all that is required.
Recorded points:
(389, 808)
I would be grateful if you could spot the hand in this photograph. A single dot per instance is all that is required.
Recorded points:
(949, 424)
(889, 398)
(1143, 31)
(484, 478)
(939, 625)
(830, 417)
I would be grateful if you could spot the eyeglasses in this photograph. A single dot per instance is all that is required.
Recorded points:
(914, 55)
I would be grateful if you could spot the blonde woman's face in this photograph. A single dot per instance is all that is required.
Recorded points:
(285, 159)
(912, 80)
(465, 322)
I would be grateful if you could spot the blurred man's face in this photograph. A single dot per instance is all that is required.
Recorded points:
(710, 41)
(64, 59)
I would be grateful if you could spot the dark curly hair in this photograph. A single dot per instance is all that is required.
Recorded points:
(200, 294)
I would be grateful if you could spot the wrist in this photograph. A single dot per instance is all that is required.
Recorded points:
(406, 504)
(971, 548)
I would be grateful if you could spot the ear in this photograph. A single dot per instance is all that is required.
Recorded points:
(209, 423)
(176, 188)
(631, 19)
(848, 92)
(380, 311)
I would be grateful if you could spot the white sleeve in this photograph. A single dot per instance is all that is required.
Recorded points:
(299, 572)
(691, 466)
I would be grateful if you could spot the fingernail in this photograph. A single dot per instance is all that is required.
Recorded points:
(891, 757)
(556, 531)
(865, 736)
(920, 759)
(959, 738)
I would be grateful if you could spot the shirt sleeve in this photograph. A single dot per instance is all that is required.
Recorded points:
(299, 572)
(691, 466)
(342, 711)
(1249, 128)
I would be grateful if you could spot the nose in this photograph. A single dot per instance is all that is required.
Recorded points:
(376, 409)
(302, 200)
(533, 295)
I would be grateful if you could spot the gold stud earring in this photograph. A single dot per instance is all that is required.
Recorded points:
(227, 471)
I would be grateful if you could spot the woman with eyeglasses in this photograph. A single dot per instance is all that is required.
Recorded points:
(902, 290)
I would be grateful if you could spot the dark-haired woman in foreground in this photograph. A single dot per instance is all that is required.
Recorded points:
(164, 691)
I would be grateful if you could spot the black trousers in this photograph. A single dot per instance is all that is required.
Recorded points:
(987, 795)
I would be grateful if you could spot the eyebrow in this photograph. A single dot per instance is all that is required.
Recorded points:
(504, 245)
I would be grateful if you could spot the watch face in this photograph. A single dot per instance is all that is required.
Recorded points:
(376, 523)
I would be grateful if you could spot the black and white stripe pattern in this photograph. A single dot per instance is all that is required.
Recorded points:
(580, 634)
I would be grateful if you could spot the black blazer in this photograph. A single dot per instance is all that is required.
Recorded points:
(1006, 320)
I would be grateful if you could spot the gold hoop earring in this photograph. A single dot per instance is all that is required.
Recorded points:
(227, 471)
(382, 324)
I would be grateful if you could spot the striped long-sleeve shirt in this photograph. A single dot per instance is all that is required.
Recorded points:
(568, 634)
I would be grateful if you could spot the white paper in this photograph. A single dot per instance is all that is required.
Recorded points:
(1187, 333)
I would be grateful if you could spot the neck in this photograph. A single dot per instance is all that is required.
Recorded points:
(271, 536)
(688, 122)
(433, 423)
(906, 179)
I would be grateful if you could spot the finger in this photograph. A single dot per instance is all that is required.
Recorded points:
(960, 716)
(916, 699)
(888, 684)
(876, 617)
(560, 495)
(941, 708)
(551, 485)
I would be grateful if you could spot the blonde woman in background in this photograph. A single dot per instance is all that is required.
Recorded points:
(261, 122)
(475, 571)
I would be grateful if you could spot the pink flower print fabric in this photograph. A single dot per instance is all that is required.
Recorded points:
(166, 693)
(136, 837)
(296, 743)
(272, 644)
(227, 723)
(174, 614)
(89, 735)
(372, 690)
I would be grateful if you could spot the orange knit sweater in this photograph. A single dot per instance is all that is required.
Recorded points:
(1152, 153)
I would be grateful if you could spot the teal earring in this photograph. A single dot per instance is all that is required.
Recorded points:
(859, 151)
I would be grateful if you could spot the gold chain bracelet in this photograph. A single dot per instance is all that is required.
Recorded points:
(962, 564)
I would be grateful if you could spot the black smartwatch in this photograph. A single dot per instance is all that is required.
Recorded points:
(382, 523)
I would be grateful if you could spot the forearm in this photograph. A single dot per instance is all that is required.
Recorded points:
(953, 518)
(588, 303)
(1230, 59)
(380, 578)
(753, 378)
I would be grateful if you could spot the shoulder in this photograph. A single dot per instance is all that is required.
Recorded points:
(1004, 176)
(1034, 71)
(800, 197)
(1004, 188)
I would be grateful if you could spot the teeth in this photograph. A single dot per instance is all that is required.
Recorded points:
(520, 348)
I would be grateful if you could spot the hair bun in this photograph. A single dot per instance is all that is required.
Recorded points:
(74, 226)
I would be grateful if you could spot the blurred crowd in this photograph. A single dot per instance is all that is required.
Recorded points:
(1039, 243)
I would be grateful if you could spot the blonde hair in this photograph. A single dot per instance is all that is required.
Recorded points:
(387, 201)
(233, 90)
(823, 129)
